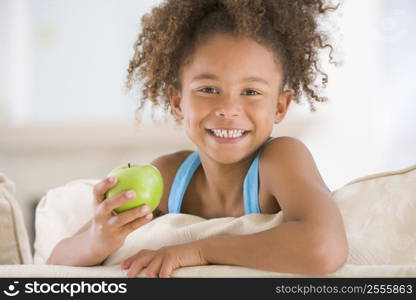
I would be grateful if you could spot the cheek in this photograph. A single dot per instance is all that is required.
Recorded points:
(197, 110)
(194, 112)
(262, 109)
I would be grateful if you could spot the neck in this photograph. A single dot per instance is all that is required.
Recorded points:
(223, 182)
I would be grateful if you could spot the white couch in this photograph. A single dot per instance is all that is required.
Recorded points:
(379, 213)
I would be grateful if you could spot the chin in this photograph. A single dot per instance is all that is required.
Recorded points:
(226, 157)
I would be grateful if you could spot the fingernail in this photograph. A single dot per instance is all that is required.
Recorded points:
(131, 194)
(145, 209)
(112, 179)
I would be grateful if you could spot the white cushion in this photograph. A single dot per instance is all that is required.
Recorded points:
(14, 240)
(378, 213)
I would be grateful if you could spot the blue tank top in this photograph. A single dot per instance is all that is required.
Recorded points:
(187, 169)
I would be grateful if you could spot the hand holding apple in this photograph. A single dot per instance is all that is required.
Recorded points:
(145, 180)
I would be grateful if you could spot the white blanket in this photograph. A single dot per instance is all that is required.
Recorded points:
(379, 214)
(52, 271)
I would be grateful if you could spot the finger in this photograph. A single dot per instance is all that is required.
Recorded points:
(125, 264)
(113, 202)
(133, 225)
(139, 263)
(102, 187)
(130, 215)
(166, 269)
(153, 268)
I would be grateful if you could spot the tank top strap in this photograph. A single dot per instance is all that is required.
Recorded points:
(182, 178)
(251, 184)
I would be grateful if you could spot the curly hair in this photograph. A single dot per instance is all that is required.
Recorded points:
(171, 32)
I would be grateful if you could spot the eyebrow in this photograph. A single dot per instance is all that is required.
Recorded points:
(214, 77)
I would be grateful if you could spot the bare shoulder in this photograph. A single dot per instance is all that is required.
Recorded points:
(168, 165)
(288, 154)
(286, 141)
(292, 176)
(286, 150)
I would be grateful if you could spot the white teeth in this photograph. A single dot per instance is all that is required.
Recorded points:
(228, 133)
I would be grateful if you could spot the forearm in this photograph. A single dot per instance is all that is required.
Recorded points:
(74, 251)
(291, 247)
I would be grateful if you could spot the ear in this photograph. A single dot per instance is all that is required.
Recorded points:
(175, 102)
(283, 103)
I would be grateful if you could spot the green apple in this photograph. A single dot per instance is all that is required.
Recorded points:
(145, 180)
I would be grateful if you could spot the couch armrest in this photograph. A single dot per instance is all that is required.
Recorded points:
(14, 245)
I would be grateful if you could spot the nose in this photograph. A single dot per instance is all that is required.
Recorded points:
(228, 108)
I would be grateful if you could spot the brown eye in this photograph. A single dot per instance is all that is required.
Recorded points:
(209, 90)
(252, 93)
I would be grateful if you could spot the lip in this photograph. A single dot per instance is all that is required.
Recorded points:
(222, 140)
(223, 128)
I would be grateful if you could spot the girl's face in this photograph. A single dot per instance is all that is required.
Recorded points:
(230, 86)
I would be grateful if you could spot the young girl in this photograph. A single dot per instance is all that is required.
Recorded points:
(227, 70)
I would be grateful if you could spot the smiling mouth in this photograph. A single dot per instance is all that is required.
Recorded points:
(227, 133)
